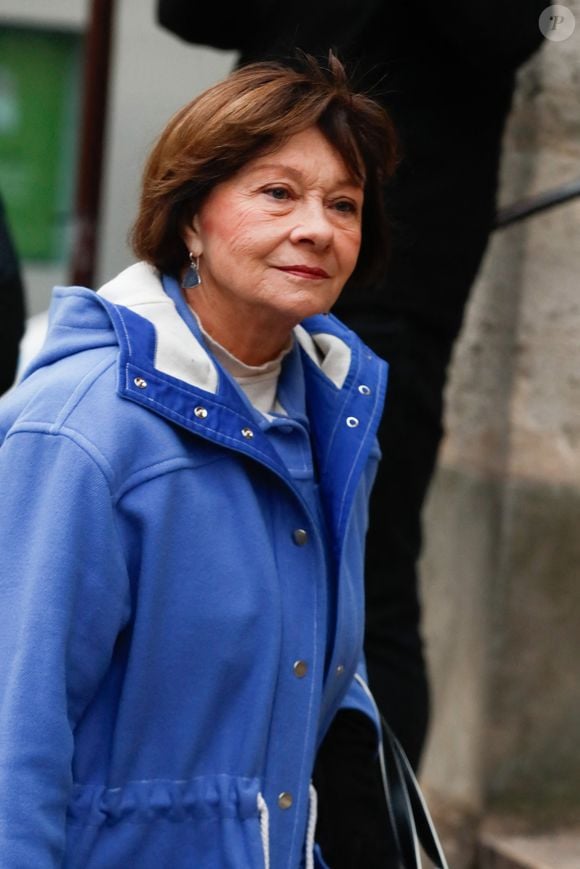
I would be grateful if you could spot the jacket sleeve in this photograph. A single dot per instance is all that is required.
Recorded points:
(359, 698)
(353, 827)
(209, 23)
(64, 597)
(265, 28)
(494, 35)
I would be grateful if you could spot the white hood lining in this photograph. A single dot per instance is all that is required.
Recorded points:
(177, 351)
(330, 353)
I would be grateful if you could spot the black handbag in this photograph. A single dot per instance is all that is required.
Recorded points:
(352, 782)
(410, 819)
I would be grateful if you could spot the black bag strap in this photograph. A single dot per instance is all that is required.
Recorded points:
(410, 818)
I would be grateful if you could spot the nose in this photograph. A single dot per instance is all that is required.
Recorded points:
(313, 225)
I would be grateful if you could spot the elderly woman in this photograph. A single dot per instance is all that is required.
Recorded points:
(185, 471)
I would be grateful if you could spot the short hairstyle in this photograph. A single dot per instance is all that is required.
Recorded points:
(251, 112)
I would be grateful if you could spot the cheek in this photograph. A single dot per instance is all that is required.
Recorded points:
(234, 233)
(350, 249)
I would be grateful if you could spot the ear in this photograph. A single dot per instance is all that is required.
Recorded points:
(192, 237)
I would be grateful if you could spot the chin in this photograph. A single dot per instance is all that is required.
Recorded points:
(304, 312)
(311, 307)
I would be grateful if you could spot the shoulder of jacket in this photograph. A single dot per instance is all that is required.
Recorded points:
(123, 439)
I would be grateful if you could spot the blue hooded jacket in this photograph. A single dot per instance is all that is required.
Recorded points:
(177, 626)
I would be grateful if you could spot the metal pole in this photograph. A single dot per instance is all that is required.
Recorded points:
(535, 204)
(92, 140)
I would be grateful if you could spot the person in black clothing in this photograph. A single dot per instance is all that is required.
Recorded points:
(11, 306)
(446, 75)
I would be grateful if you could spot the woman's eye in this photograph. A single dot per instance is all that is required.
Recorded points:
(277, 193)
(345, 206)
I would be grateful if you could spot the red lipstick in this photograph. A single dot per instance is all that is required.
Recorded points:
(305, 271)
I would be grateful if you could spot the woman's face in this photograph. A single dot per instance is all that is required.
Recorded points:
(279, 239)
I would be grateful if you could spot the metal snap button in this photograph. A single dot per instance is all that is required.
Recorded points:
(285, 800)
(352, 421)
(140, 382)
(300, 536)
(200, 412)
(340, 670)
(364, 389)
(247, 433)
(300, 669)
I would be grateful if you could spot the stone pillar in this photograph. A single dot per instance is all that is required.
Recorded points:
(501, 568)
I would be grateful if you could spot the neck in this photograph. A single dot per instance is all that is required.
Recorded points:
(249, 335)
(238, 368)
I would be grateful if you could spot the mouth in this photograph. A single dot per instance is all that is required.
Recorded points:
(304, 271)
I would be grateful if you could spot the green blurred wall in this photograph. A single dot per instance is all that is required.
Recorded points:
(39, 87)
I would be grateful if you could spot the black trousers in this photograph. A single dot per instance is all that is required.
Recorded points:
(409, 437)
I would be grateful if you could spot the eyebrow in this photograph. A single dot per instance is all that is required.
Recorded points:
(297, 174)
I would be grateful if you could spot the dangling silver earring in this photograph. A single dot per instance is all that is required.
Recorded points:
(192, 277)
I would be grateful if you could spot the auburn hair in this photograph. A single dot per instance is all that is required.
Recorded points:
(253, 111)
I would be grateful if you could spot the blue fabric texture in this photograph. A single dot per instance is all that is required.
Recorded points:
(154, 597)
